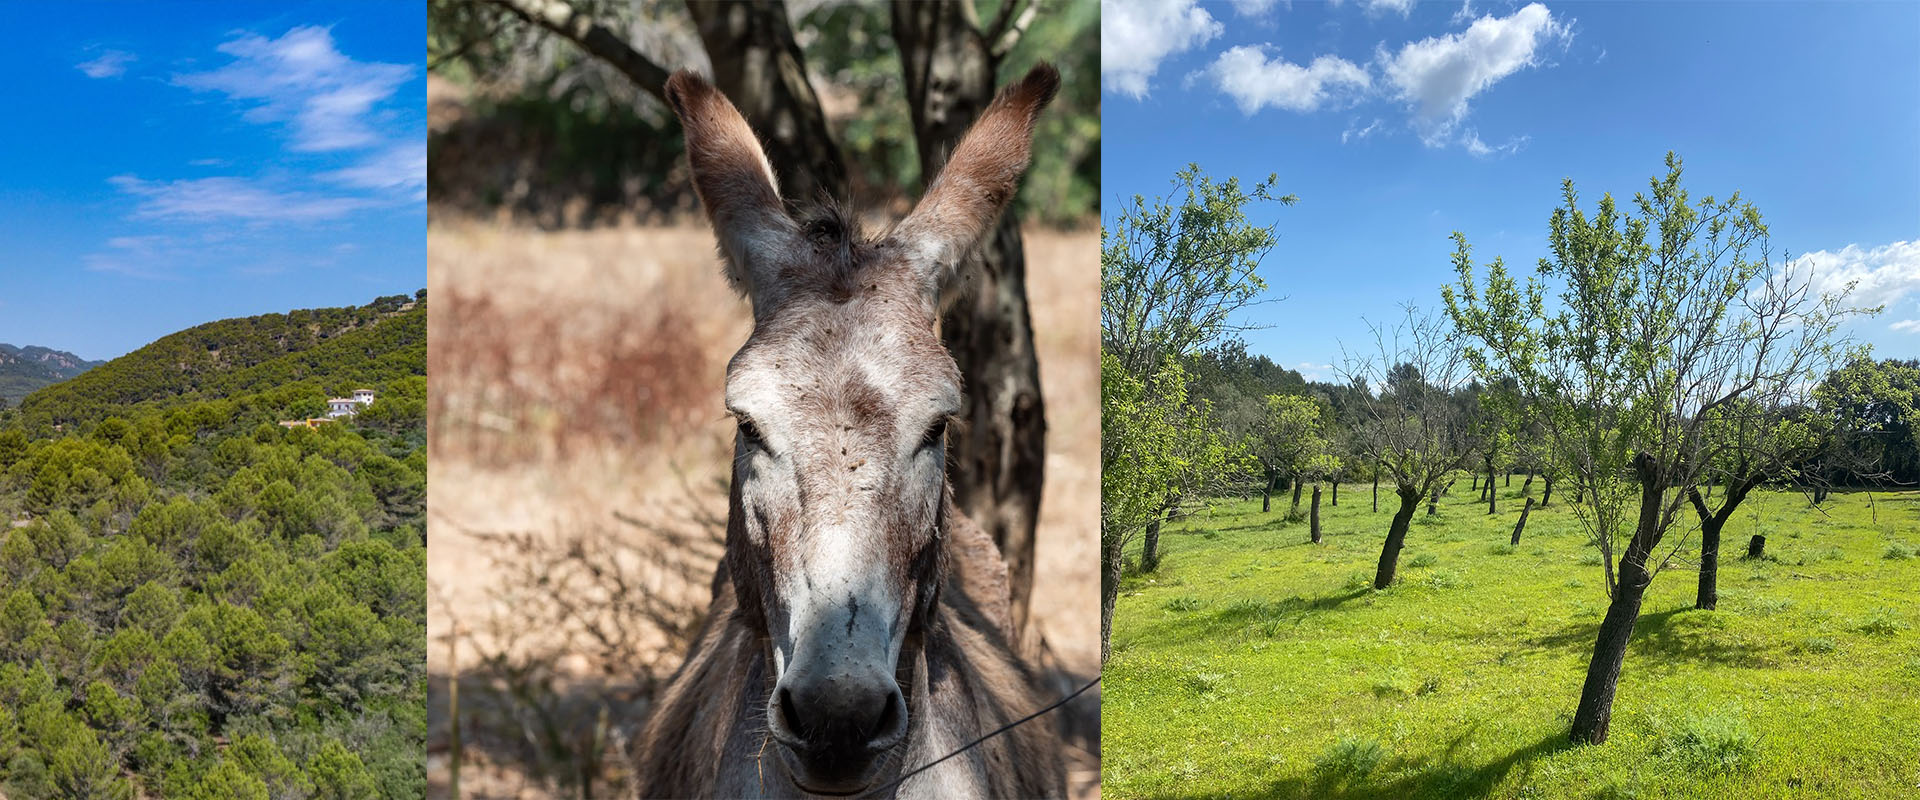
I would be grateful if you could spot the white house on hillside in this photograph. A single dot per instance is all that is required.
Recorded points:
(338, 407)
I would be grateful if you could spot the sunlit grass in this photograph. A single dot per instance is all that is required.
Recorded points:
(1255, 664)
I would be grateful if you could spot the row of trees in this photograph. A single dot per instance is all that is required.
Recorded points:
(1661, 364)
(196, 602)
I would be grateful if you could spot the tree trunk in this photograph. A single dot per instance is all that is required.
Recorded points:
(1757, 546)
(1336, 491)
(1313, 524)
(1294, 512)
(1527, 486)
(1376, 492)
(1396, 537)
(1522, 524)
(1493, 499)
(1476, 483)
(1109, 591)
(1509, 479)
(1150, 547)
(1595, 712)
(1433, 501)
(1707, 596)
(1266, 493)
(759, 66)
(1547, 496)
(999, 464)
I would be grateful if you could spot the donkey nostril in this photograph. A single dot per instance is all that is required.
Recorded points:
(788, 715)
(889, 718)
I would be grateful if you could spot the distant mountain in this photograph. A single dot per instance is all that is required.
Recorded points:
(327, 350)
(25, 369)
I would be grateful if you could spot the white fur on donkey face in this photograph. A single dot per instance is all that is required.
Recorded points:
(841, 481)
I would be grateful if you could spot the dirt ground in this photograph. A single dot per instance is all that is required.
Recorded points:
(578, 433)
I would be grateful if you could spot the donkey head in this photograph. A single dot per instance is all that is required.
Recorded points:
(842, 396)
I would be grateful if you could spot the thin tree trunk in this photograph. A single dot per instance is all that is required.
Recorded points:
(1522, 524)
(1109, 591)
(1509, 479)
(999, 465)
(1757, 546)
(1433, 501)
(1294, 512)
(1336, 491)
(1595, 711)
(1150, 547)
(1376, 492)
(1476, 484)
(1527, 486)
(1313, 524)
(1547, 496)
(1493, 498)
(1396, 537)
(1266, 494)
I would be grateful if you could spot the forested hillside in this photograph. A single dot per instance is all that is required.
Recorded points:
(25, 369)
(196, 602)
(284, 356)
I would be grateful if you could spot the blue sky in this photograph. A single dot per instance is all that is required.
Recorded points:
(168, 164)
(1397, 124)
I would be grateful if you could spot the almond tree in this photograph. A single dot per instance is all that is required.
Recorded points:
(1665, 312)
(1414, 431)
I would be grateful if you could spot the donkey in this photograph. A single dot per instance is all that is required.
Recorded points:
(859, 625)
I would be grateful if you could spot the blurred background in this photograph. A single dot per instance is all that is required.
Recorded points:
(582, 327)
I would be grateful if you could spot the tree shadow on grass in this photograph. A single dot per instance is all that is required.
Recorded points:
(1403, 779)
(1229, 618)
(1665, 636)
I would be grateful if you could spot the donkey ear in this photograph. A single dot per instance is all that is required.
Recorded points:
(978, 180)
(736, 184)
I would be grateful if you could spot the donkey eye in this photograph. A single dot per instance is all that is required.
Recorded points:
(751, 435)
(936, 435)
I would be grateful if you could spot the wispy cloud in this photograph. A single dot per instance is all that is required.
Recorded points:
(215, 199)
(326, 99)
(1356, 133)
(1906, 326)
(110, 64)
(1136, 35)
(401, 167)
(1378, 7)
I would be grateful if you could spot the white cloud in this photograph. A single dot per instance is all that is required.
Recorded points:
(326, 98)
(1136, 35)
(1882, 276)
(1254, 8)
(1437, 76)
(226, 199)
(1255, 82)
(402, 167)
(1906, 326)
(1471, 141)
(1378, 7)
(1465, 14)
(1356, 133)
(110, 64)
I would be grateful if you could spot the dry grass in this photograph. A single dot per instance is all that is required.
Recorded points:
(578, 441)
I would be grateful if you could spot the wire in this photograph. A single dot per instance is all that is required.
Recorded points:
(890, 785)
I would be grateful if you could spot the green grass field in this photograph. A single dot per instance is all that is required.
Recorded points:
(1255, 664)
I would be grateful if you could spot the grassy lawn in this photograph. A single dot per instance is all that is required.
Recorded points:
(1255, 664)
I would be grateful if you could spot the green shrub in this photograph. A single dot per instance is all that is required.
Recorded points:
(1501, 549)
(1709, 742)
(1885, 622)
(1898, 551)
(1819, 645)
(1351, 757)
(1423, 560)
(1185, 602)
